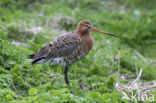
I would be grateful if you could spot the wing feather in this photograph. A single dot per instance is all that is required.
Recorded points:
(64, 45)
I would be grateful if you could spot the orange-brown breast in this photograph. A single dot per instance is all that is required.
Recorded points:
(87, 42)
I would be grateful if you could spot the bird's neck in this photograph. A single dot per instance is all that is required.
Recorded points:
(87, 40)
(82, 33)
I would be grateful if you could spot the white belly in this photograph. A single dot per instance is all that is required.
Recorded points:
(58, 60)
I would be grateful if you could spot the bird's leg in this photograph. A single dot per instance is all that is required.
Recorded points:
(66, 75)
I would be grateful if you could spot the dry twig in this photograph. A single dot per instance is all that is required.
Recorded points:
(134, 82)
(51, 75)
(144, 58)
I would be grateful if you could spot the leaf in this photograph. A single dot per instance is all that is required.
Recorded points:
(32, 91)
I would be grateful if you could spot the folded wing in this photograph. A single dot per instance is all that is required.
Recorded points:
(64, 45)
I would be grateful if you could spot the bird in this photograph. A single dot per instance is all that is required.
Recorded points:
(68, 48)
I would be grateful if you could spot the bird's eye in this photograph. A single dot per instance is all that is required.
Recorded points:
(87, 25)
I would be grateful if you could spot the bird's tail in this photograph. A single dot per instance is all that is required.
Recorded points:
(38, 60)
(31, 56)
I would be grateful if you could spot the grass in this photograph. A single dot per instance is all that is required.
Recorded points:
(36, 23)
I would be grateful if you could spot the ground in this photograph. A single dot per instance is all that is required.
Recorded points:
(26, 26)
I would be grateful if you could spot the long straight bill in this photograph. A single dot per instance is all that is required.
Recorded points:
(96, 30)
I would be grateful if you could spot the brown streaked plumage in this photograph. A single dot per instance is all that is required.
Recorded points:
(68, 48)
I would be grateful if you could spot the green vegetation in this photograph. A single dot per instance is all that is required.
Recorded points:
(27, 25)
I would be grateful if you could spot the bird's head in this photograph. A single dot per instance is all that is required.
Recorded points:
(84, 27)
